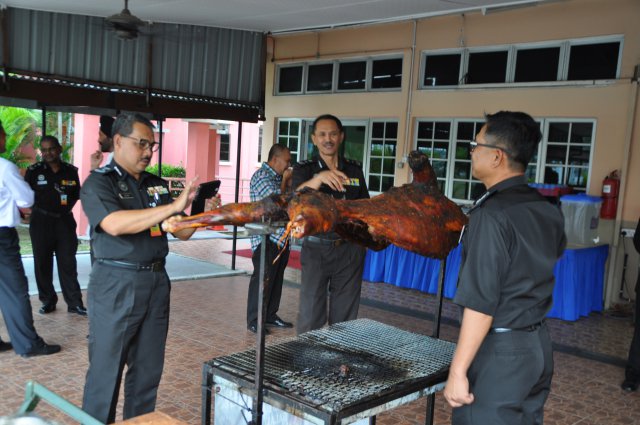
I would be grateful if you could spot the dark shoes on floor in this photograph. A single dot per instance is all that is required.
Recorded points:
(42, 349)
(79, 310)
(253, 327)
(629, 385)
(47, 308)
(279, 323)
(5, 346)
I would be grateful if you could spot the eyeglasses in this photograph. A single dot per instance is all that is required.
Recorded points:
(473, 145)
(144, 144)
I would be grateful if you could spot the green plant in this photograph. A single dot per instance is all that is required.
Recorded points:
(20, 126)
(168, 170)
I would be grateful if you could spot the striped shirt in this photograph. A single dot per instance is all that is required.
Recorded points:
(265, 182)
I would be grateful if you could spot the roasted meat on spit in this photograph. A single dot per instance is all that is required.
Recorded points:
(414, 216)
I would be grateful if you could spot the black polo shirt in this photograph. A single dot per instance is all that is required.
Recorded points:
(55, 193)
(356, 188)
(110, 189)
(510, 248)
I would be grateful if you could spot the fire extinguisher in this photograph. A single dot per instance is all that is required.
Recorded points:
(610, 189)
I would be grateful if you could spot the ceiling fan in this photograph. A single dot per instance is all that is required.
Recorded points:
(124, 24)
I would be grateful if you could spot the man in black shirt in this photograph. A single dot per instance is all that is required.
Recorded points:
(329, 263)
(632, 370)
(502, 368)
(52, 227)
(128, 287)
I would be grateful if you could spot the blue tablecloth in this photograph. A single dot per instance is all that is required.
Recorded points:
(579, 276)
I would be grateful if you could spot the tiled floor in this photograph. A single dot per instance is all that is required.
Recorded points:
(208, 320)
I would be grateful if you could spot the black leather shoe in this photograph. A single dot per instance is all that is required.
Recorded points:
(79, 310)
(5, 346)
(279, 323)
(629, 385)
(47, 308)
(42, 349)
(254, 328)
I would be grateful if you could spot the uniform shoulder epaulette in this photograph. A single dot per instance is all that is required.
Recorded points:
(353, 162)
(103, 170)
(35, 166)
(69, 165)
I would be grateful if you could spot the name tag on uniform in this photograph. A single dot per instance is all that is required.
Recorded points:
(353, 181)
(42, 182)
(160, 190)
(155, 231)
(68, 182)
(63, 199)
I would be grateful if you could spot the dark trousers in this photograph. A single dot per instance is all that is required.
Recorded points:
(510, 379)
(333, 271)
(14, 294)
(273, 277)
(128, 324)
(632, 371)
(51, 235)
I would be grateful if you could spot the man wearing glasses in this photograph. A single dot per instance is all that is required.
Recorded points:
(502, 368)
(128, 294)
(52, 227)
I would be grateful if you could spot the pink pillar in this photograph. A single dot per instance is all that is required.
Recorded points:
(200, 153)
(84, 144)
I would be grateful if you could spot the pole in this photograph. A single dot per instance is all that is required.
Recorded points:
(235, 228)
(431, 400)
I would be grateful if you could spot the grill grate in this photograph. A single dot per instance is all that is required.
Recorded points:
(346, 363)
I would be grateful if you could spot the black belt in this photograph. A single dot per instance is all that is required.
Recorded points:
(49, 213)
(156, 266)
(328, 242)
(531, 328)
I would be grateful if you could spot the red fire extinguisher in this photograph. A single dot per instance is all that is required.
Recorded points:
(610, 189)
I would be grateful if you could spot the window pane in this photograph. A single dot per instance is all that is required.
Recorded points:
(293, 144)
(377, 130)
(320, 77)
(425, 130)
(375, 165)
(487, 67)
(440, 150)
(390, 148)
(556, 154)
(443, 131)
(442, 70)
(537, 64)
(463, 151)
(593, 61)
(440, 168)
(352, 75)
(294, 127)
(290, 79)
(386, 73)
(224, 147)
(388, 166)
(459, 190)
(466, 131)
(579, 155)
(387, 182)
(559, 132)
(581, 132)
(551, 175)
(577, 176)
(462, 170)
(283, 127)
(391, 130)
(374, 183)
(530, 173)
(376, 147)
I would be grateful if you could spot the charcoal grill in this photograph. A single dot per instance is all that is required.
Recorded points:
(341, 374)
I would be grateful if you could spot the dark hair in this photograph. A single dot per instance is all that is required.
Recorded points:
(275, 150)
(327, 117)
(106, 125)
(51, 139)
(517, 132)
(124, 123)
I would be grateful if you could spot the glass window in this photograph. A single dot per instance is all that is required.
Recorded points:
(352, 75)
(568, 153)
(386, 73)
(442, 70)
(487, 67)
(225, 147)
(593, 61)
(290, 79)
(465, 187)
(382, 155)
(537, 64)
(434, 140)
(320, 77)
(289, 135)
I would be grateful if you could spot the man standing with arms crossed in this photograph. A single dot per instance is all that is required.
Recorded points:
(14, 289)
(503, 364)
(52, 227)
(272, 178)
(128, 295)
(329, 263)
